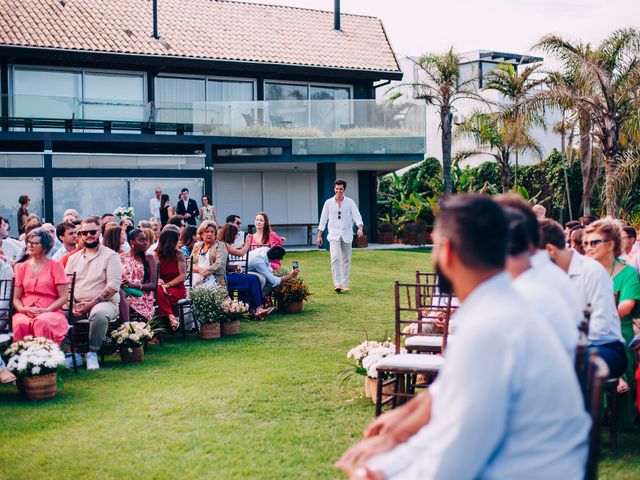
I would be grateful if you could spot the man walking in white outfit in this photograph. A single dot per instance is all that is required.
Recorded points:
(340, 213)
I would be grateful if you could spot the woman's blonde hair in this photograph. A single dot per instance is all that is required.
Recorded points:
(608, 228)
(203, 227)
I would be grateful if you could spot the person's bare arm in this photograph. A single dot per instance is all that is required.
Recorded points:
(63, 296)
(625, 307)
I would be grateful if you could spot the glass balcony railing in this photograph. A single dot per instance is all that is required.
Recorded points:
(315, 126)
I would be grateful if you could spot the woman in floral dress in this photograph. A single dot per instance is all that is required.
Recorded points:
(139, 272)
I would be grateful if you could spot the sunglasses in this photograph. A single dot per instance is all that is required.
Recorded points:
(34, 244)
(593, 243)
(84, 233)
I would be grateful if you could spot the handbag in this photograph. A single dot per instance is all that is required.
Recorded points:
(133, 291)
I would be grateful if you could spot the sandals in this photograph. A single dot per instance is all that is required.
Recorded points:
(174, 322)
(6, 376)
(262, 312)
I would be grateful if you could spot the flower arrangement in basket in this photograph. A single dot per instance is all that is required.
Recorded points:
(122, 212)
(207, 301)
(35, 362)
(235, 310)
(130, 337)
(293, 292)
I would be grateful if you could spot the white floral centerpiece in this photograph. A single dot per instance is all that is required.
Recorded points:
(35, 362)
(122, 212)
(34, 356)
(132, 334)
(234, 309)
(208, 303)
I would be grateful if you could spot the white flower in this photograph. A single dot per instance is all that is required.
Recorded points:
(35, 370)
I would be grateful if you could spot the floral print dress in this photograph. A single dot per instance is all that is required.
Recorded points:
(133, 272)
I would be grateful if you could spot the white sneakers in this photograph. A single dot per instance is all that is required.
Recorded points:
(92, 361)
(68, 360)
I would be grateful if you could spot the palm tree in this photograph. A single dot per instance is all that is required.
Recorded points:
(442, 87)
(608, 80)
(516, 88)
(496, 136)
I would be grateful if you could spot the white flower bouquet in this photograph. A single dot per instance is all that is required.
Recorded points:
(207, 303)
(34, 356)
(367, 355)
(374, 355)
(234, 309)
(132, 334)
(122, 212)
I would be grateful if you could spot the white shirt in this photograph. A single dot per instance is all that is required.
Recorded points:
(240, 236)
(6, 273)
(61, 252)
(506, 404)
(152, 249)
(12, 249)
(593, 285)
(340, 219)
(548, 273)
(259, 262)
(546, 300)
(154, 207)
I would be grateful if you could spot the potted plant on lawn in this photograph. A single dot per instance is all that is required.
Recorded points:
(207, 309)
(130, 338)
(234, 310)
(367, 355)
(290, 295)
(35, 362)
(385, 233)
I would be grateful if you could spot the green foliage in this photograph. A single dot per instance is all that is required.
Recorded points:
(295, 290)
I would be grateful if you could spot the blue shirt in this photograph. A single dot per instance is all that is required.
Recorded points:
(259, 262)
(506, 404)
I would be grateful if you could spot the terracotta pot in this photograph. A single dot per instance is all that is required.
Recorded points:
(373, 389)
(39, 387)
(230, 328)
(210, 331)
(367, 387)
(134, 356)
(295, 307)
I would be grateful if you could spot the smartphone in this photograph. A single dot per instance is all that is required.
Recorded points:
(295, 264)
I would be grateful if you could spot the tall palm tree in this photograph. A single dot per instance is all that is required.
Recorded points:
(496, 136)
(516, 88)
(442, 87)
(609, 79)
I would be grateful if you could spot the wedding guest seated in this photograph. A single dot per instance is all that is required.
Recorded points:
(576, 240)
(587, 219)
(187, 239)
(144, 224)
(627, 241)
(247, 285)
(79, 246)
(66, 233)
(568, 228)
(240, 236)
(264, 236)
(51, 230)
(11, 250)
(149, 235)
(603, 244)
(177, 220)
(138, 272)
(71, 215)
(39, 293)
(172, 273)
(260, 264)
(510, 423)
(209, 256)
(112, 238)
(107, 218)
(98, 273)
(594, 287)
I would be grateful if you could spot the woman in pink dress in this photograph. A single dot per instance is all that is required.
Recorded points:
(139, 272)
(40, 292)
(265, 237)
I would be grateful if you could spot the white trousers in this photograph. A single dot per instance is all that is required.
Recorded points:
(340, 261)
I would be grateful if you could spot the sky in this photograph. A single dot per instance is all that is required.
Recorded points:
(419, 26)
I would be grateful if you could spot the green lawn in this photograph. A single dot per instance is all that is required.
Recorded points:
(264, 404)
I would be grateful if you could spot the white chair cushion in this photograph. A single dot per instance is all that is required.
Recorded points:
(426, 341)
(412, 361)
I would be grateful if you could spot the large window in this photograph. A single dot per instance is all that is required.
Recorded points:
(80, 94)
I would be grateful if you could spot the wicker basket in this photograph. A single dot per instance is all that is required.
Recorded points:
(230, 328)
(210, 331)
(39, 387)
(373, 389)
(295, 307)
(136, 355)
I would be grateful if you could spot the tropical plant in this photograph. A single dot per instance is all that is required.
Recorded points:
(515, 88)
(609, 79)
(442, 87)
(495, 135)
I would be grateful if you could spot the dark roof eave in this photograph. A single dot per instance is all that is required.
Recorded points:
(164, 62)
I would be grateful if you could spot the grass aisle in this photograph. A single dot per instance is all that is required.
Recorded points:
(266, 404)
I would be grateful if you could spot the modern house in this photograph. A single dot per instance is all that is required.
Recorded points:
(259, 106)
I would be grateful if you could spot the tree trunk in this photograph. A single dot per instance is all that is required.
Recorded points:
(505, 173)
(586, 163)
(611, 151)
(446, 118)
